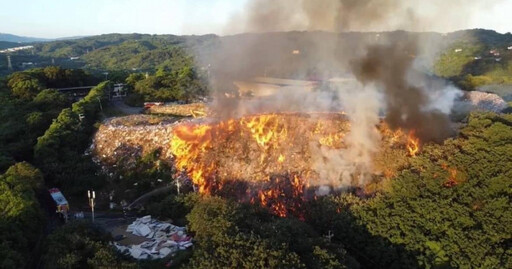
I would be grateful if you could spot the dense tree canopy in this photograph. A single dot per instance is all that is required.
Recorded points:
(21, 219)
(59, 152)
(221, 245)
(28, 108)
(80, 245)
(451, 208)
(176, 85)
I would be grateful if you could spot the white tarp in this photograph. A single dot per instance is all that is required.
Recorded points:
(163, 239)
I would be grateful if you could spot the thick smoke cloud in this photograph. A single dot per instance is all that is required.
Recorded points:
(406, 104)
(386, 68)
(357, 15)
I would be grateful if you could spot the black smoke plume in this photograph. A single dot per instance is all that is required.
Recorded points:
(389, 67)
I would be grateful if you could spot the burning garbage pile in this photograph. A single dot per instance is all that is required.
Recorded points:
(164, 239)
(274, 160)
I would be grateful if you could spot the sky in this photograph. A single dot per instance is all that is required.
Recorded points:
(65, 18)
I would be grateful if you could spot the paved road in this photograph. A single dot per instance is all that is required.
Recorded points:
(129, 110)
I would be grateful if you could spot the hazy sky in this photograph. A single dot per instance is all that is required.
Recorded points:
(61, 18)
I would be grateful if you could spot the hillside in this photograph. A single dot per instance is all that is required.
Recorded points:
(20, 39)
(470, 58)
(6, 45)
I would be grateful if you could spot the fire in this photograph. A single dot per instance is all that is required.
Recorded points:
(413, 144)
(264, 128)
(190, 139)
(332, 140)
(284, 196)
(452, 179)
(396, 136)
(266, 159)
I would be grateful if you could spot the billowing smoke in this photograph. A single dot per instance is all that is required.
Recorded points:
(352, 166)
(357, 15)
(408, 106)
(385, 66)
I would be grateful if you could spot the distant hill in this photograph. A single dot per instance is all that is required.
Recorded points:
(24, 39)
(6, 45)
(71, 37)
(469, 58)
(20, 39)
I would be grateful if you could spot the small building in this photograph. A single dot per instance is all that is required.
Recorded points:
(494, 52)
(118, 91)
(27, 64)
(458, 50)
(267, 86)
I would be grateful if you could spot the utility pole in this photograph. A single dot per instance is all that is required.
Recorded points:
(178, 185)
(9, 64)
(101, 107)
(329, 236)
(91, 201)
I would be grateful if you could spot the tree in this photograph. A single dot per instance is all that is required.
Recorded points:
(59, 151)
(24, 86)
(453, 206)
(50, 99)
(80, 245)
(21, 219)
(221, 244)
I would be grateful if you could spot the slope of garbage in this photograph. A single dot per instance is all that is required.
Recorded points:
(163, 239)
(485, 101)
(185, 110)
(121, 141)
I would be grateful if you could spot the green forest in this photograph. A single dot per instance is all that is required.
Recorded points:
(429, 217)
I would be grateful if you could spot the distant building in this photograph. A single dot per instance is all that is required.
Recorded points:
(16, 49)
(118, 91)
(458, 50)
(494, 52)
(74, 58)
(266, 86)
(509, 48)
(27, 64)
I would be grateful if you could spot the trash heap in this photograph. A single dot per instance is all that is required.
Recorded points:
(486, 101)
(124, 140)
(185, 110)
(165, 239)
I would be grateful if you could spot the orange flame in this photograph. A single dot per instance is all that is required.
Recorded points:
(331, 140)
(452, 179)
(285, 196)
(251, 146)
(413, 144)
